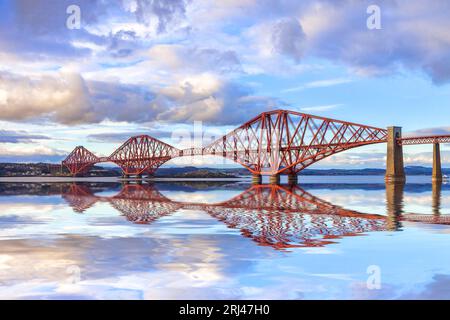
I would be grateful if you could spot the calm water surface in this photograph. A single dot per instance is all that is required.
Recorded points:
(225, 240)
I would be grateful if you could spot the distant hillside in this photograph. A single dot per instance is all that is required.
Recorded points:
(49, 169)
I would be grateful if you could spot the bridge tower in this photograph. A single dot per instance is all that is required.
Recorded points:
(395, 171)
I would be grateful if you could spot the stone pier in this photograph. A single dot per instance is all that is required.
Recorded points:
(436, 194)
(394, 205)
(274, 179)
(395, 171)
(292, 179)
(437, 169)
(256, 179)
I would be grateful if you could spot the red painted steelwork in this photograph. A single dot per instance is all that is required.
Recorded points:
(424, 140)
(80, 160)
(142, 154)
(275, 142)
(287, 142)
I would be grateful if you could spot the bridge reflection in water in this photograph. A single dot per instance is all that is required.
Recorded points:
(271, 215)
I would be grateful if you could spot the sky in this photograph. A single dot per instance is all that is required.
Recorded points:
(168, 67)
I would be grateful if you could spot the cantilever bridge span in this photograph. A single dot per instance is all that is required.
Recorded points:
(273, 143)
(274, 215)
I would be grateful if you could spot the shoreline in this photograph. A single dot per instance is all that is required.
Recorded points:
(345, 179)
(110, 179)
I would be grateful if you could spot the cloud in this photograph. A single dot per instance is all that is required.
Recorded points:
(176, 61)
(212, 100)
(436, 289)
(120, 137)
(356, 158)
(321, 108)
(64, 98)
(429, 132)
(26, 152)
(166, 13)
(288, 38)
(70, 99)
(9, 136)
(409, 37)
(320, 84)
(38, 29)
(192, 58)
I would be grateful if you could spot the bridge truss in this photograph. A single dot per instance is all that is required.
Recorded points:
(274, 142)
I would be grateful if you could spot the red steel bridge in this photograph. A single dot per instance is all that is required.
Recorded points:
(273, 143)
(271, 215)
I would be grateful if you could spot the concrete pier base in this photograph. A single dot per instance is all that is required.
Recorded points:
(274, 179)
(256, 179)
(292, 179)
(437, 169)
(395, 171)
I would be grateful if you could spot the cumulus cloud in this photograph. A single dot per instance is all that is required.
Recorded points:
(166, 13)
(208, 98)
(64, 98)
(288, 38)
(69, 99)
(412, 36)
(19, 150)
(26, 152)
(147, 60)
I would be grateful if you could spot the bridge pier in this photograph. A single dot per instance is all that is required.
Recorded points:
(256, 179)
(437, 169)
(394, 205)
(395, 171)
(292, 179)
(436, 192)
(274, 179)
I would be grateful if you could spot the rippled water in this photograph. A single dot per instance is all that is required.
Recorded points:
(350, 238)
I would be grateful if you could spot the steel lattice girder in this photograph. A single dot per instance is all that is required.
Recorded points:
(287, 142)
(142, 154)
(424, 140)
(80, 160)
(274, 142)
(270, 215)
